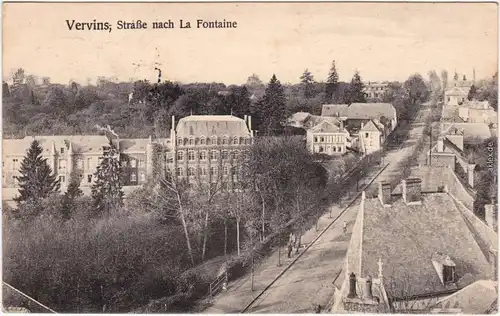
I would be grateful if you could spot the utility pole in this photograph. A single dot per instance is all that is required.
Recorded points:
(430, 146)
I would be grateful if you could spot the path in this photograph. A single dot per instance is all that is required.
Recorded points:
(310, 279)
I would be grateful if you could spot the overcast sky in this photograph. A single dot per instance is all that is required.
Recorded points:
(382, 41)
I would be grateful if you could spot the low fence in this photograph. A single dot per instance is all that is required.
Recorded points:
(218, 285)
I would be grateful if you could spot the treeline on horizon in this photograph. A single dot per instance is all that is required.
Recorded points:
(55, 109)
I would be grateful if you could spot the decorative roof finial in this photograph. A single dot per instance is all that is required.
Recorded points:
(380, 265)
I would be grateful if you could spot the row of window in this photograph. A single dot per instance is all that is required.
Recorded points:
(212, 155)
(214, 140)
(202, 171)
(328, 139)
(334, 149)
(133, 178)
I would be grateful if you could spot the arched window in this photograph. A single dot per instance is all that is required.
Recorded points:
(214, 140)
(225, 154)
(315, 139)
(202, 140)
(179, 171)
(224, 140)
(203, 171)
(235, 140)
(191, 155)
(191, 141)
(213, 155)
(203, 155)
(209, 141)
(180, 155)
(213, 171)
(179, 141)
(321, 149)
(322, 139)
(133, 177)
(185, 141)
(191, 172)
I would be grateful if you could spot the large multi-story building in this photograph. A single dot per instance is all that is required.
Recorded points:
(208, 148)
(375, 90)
(199, 147)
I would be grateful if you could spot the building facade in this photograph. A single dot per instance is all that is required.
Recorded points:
(207, 148)
(375, 90)
(327, 138)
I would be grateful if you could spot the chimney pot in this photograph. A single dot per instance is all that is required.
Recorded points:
(412, 190)
(352, 286)
(384, 193)
(368, 288)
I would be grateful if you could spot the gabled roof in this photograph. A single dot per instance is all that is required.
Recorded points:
(360, 110)
(80, 143)
(371, 126)
(133, 145)
(476, 298)
(469, 130)
(456, 91)
(326, 127)
(406, 237)
(212, 125)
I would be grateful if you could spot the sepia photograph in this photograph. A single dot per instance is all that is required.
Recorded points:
(250, 157)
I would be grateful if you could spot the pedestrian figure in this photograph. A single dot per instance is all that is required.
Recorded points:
(344, 227)
(317, 309)
(297, 244)
(290, 248)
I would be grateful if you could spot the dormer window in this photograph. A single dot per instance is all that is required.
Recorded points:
(191, 141)
(448, 274)
(202, 141)
(445, 268)
(235, 140)
(179, 141)
(224, 141)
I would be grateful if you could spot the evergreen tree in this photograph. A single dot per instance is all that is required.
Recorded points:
(332, 83)
(307, 83)
(354, 93)
(107, 193)
(37, 180)
(472, 93)
(73, 192)
(271, 108)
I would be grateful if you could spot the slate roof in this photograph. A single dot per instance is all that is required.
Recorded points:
(209, 125)
(476, 298)
(460, 91)
(406, 237)
(360, 110)
(327, 127)
(133, 145)
(80, 143)
(371, 126)
(471, 131)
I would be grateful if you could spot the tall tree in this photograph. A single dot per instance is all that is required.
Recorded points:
(5, 89)
(107, 194)
(434, 80)
(73, 192)
(455, 77)
(37, 180)
(444, 79)
(271, 110)
(332, 81)
(472, 93)
(307, 83)
(355, 93)
(416, 88)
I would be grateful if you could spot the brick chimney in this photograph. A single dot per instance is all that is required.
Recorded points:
(470, 174)
(490, 215)
(384, 193)
(440, 145)
(352, 286)
(412, 190)
(368, 289)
